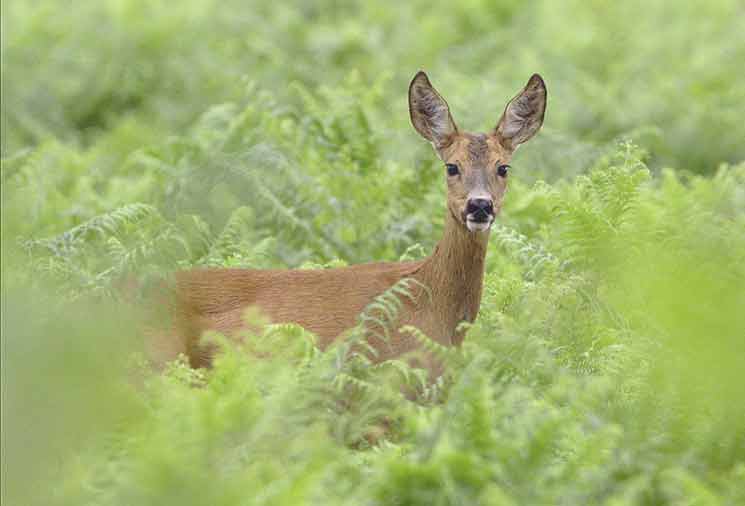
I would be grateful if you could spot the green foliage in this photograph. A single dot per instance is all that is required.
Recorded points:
(605, 365)
(634, 68)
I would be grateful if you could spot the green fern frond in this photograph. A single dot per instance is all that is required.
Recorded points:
(532, 255)
(233, 234)
(444, 353)
(109, 224)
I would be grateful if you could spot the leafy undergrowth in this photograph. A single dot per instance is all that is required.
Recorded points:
(605, 367)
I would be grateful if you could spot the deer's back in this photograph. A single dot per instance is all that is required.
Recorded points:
(324, 301)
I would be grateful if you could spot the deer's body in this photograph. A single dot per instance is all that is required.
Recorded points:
(328, 301)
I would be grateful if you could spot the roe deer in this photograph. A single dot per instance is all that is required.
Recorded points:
(328, 302)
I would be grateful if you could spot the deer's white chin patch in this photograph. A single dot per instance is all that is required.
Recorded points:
(479, 226)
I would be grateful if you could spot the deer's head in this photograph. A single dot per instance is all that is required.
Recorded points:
(476, 165)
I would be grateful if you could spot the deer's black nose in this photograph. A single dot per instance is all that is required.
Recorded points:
(479, 209)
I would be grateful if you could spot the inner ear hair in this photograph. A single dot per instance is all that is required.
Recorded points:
(524, 114)
(429, 112)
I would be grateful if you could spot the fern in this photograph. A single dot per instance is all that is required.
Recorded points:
(379, 318)
(233, 234)
(447, 355)
(533, 256)
(109, 224)
(594, 215)
(604, 366)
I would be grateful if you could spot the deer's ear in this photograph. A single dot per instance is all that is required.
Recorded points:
(429, 112)
(523, 116)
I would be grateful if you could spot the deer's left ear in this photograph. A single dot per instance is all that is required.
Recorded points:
(523, 116)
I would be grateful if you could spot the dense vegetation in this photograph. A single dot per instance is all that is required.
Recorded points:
(606, 366)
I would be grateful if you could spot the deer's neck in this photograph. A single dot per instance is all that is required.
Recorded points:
(455, 274)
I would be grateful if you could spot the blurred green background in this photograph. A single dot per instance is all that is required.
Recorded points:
(140, 137)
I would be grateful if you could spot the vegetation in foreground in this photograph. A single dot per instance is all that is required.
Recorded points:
(605, 366)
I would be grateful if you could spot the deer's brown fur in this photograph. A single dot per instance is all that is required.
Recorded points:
(328, 301)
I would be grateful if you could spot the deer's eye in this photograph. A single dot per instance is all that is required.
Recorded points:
(502, 170)
(452, 169)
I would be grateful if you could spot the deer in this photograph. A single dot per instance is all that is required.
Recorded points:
(327, 302)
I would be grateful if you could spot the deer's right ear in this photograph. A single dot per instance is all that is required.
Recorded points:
(429, 112)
